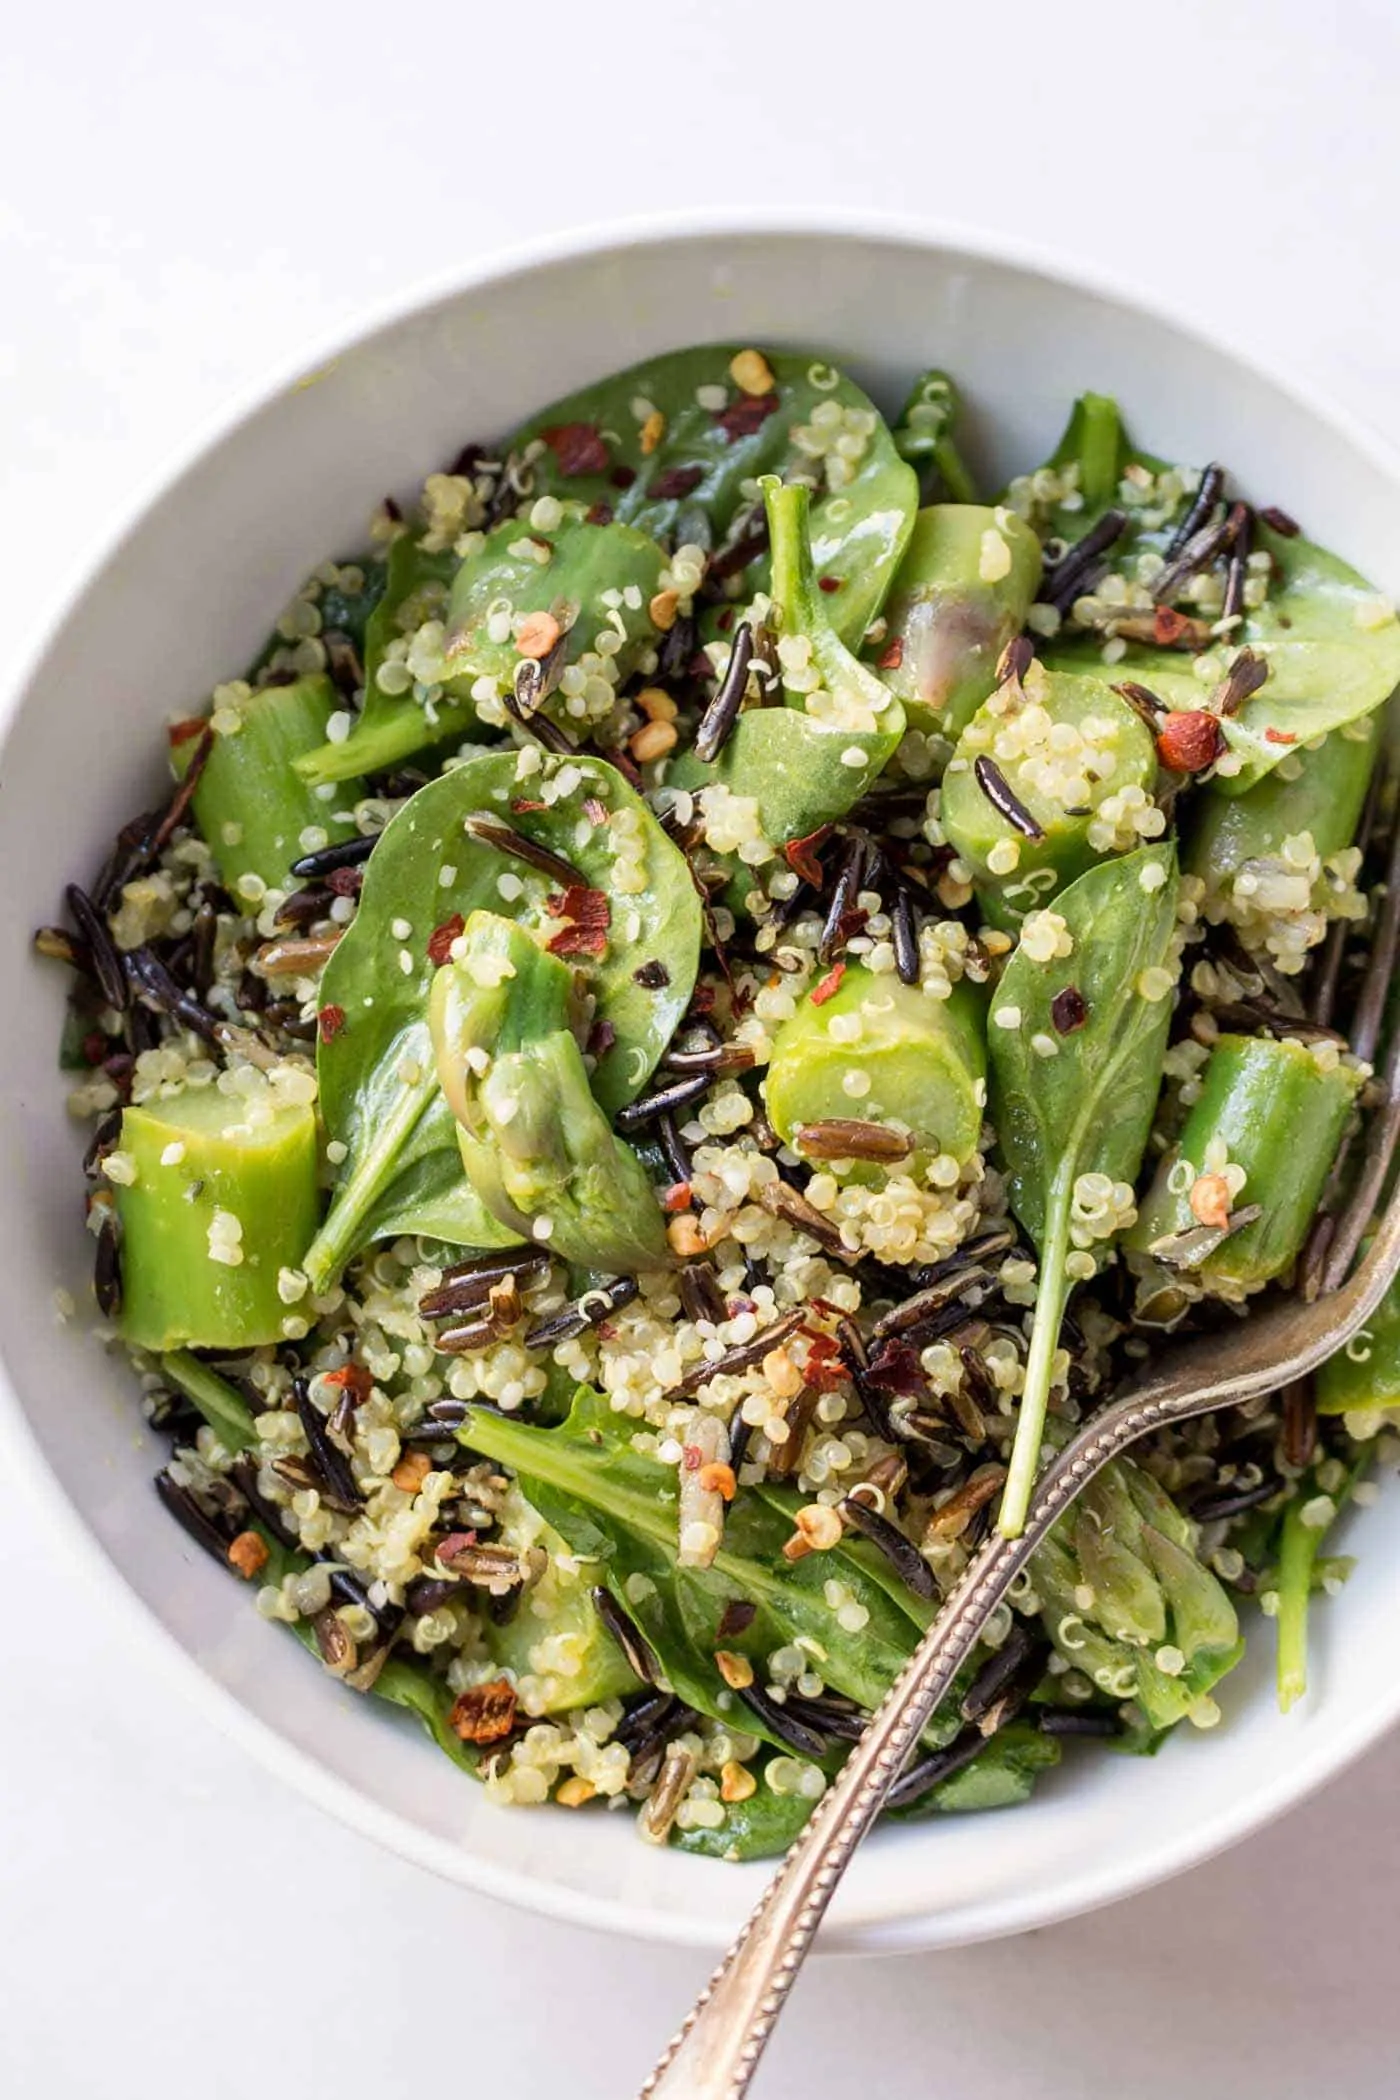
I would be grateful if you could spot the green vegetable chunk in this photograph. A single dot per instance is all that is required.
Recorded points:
(1076, 1047)
(1268, 857)
(1363, 1378)
(380, 1096)
(968, 579)
(1160, 1629)
(1265, 1108)
(763, 1827)
(251, 804)
(393, 726)
(1081, 765)
(673, 447)
(217, 1205)
(809, 761)
(536, 1146)
(925, 1059)
(1002, 1776)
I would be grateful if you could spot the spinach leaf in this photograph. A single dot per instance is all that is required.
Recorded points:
(614, 1505)
(1087, 1107)
(392, 728)
(809, 761)
(1002, 1776)
(379, 1091)
(674, 445)
(924, 435)
(1332, 644)
(763, 1827)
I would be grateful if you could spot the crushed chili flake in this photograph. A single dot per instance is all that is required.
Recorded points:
(746, 415)
(622, 477)
(485, 1713)
(441, 938)
(598, 514)
(601, 1037)
(94, 1047)
(829, 583)
(1280, 736)
(329, 1022)
(180, 732)
(354, 1379)
(893, 656)
(679, 1196)
(345, 882)
(652, 976)
(829, 985)
(588, 916)
(1068, 1010)
(1189, 741)
(1168, 626)
(677, 482)
(524, 806)
(739, 1614)
(578, 448)
(692, 1457)
(801, 855)
(594, 809)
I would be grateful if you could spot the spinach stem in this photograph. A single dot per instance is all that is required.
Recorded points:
(339, 1236)
(1298, 1549)
(1045, 1336)
(958, 484)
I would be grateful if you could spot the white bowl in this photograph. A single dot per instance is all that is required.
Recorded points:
(184, 596)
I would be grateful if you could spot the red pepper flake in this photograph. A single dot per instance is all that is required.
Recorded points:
(598, 514)
(745, 415)
(350, 1378)
(692, 1457)
(345, 882)
(829, 985)
(677, 1197)
(829, 583)
(180, 732)
(578, 448)
(601, 1037)
(588, 916)
(441, 938)
(1280, 736)
(595, 810)
(893, 656)
(523, 806)
(94, 1047)
(825, 1367)
(801, 855)
(702, 999)
(896, 1369)
(1168, 626)
(329, 1022)
(622, 477)
(1189, 741)
(676, 482)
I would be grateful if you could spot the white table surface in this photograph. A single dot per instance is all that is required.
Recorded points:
(188, 196)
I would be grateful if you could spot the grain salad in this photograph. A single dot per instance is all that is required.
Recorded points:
(713, 989)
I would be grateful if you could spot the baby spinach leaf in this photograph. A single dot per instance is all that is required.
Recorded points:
(536, 1146)
(674, 445)
(614, 1505)
(392, 727)
(763, 1827)
(379, 1091)
(597, 583)
(1332, 644)
(1002, 1776)
(924, 435)
(1087, 1107)
(808, 762)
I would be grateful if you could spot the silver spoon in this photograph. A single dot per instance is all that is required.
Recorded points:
(716, 2052)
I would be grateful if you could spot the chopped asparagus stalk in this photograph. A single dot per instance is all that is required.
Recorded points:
(968, 579)
(252, 806)
(215, 1208)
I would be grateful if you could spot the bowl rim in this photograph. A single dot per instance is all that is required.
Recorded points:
(1095, 1884)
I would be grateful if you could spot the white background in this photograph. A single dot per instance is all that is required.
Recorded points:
(188, 197)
